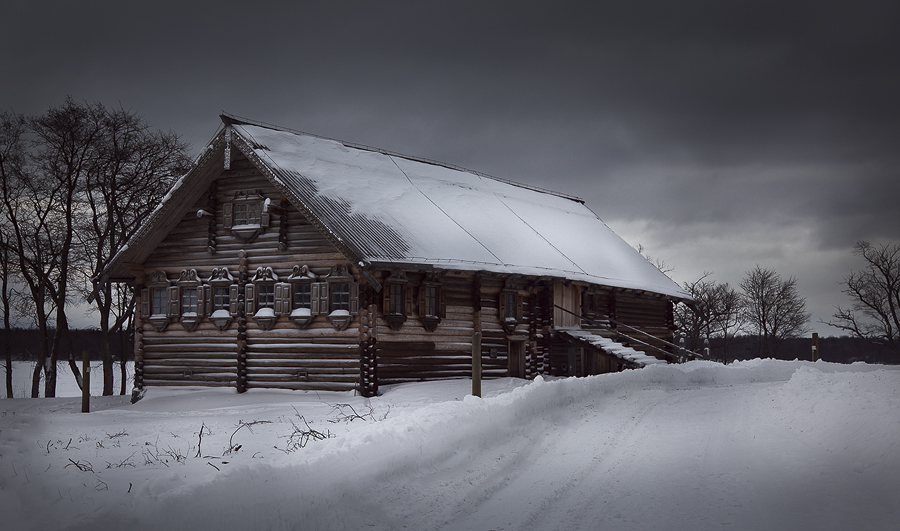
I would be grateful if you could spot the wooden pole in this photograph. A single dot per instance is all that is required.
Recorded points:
(85, 381)
(815, 346)
(476, 364)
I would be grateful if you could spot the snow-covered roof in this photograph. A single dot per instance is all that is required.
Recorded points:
(393, 209)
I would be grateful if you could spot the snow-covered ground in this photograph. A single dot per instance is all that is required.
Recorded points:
(755, 445)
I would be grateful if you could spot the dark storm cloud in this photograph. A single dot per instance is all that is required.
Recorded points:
(680, 115)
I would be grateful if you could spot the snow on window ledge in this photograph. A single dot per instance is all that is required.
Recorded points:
(265, 318)
(340, 319)
(301, 317)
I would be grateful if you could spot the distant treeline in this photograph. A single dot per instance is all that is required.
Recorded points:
(833, 349)
(25, 342)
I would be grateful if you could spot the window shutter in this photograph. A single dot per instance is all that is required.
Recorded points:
(518, 308)
(354, 298)
(233, 299)
(407, 292)
(228, 211)
(145, 303)
(324, 301)
(249, 299)
(314, 298)
(264, 219)
(501, 307)
(386, 299)
(282, 298)
(173, 301)
(442, 306)
(202, 299)
(423, 291)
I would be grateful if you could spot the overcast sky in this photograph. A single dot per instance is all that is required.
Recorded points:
(718, 135)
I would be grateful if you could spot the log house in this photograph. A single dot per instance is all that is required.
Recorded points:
(286, 260)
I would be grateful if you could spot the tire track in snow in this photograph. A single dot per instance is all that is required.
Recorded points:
(528, 500)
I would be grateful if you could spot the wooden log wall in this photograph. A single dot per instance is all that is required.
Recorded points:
(369, 352)
(413, 353)
(317, 357)
(648, 313)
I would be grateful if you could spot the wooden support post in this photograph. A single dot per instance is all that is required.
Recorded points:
(815, 346)
(85, 381)
(476, 364)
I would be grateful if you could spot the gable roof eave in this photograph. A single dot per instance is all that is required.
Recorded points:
(272, 172)
(160, 221)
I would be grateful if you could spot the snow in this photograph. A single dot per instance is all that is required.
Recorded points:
(762, 444)
(616, 349)
(301, 312)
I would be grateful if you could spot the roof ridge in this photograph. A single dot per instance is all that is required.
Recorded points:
(230, 119)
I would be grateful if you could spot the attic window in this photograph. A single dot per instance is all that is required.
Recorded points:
(246, 215)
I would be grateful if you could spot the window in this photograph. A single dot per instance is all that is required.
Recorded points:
(303, 299)
(190, 296)
(396, 302)
(431, 308)
(188, 301)
(338, 296)
(221, 298)
(265, 296)
(509, 310)
(156, 302)
(509, 306)
(302, 296)
(159, 302)
(259, 297)
(246, 215)
(224, 299)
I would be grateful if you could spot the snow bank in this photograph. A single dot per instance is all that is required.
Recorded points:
(753, 445)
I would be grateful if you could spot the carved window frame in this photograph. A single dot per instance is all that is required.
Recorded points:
(509, 306)
(192, 295)
(301, 278)
(247, 215)
(339, 275)
(396, 302)
(262, 314)
(432, 307)
(158, 287)
(220, 312)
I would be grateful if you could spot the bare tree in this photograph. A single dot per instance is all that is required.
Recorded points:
(715, 314)
(30, 221)
(134, 168)
(11, 129)
(728, 314)
(874, 314)
(773, 308)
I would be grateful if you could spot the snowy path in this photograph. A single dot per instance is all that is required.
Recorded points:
(756, 445)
